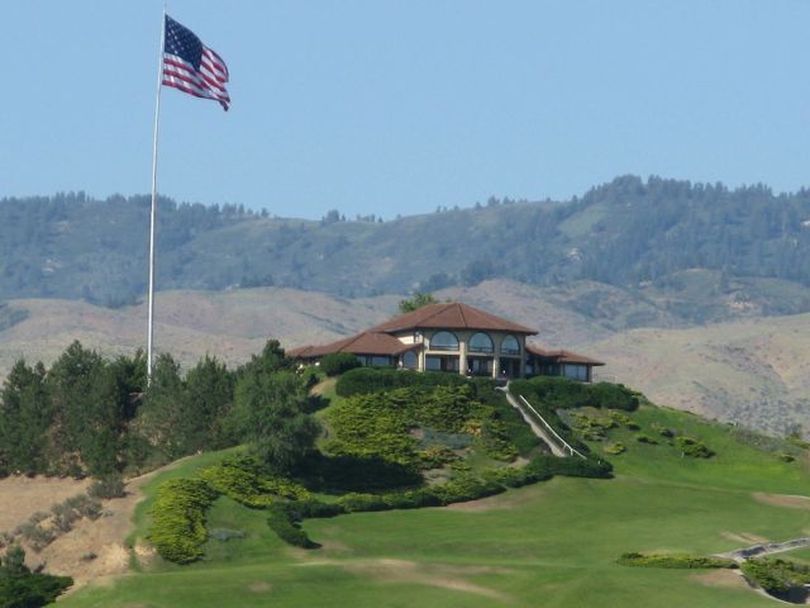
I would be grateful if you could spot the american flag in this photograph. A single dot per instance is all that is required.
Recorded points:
(191, 66)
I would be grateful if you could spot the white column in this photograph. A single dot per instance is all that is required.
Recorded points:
(462, 356)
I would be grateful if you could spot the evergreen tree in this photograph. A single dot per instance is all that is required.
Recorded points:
(273, 418)
(25, 415)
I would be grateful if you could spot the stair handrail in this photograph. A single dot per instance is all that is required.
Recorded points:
(562, 441)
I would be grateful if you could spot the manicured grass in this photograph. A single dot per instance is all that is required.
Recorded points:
(554, 544)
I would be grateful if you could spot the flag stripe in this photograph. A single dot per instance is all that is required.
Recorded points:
(172, 64)
(187, 85)
(191, 67)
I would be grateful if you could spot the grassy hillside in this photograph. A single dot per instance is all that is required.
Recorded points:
(553, 544)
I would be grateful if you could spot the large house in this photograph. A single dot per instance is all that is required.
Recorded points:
(455, 337)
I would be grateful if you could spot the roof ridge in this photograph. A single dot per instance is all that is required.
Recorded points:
(461, 312)
(444, 306)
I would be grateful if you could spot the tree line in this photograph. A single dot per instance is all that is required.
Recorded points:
(91, 415)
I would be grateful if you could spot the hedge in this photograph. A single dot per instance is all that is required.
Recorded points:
(675, 560)
(282, 522)
(178, 519)
(338, 363)
(562, 393)
(364, 380)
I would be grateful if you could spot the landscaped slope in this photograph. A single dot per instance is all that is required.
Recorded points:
(553, 544)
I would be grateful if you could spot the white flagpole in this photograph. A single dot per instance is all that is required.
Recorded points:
(153, 215)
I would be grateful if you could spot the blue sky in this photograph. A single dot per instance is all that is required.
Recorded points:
(397, 107)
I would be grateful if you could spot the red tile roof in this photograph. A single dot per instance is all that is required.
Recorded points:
(561, 356)
(299, 353)
(366, 343)
(453, 315)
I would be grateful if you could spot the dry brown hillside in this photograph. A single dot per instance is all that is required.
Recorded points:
(231, 325)
(754, 371)
(235, 324)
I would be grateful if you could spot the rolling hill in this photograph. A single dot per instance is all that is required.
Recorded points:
(640, 236)
(553, 543)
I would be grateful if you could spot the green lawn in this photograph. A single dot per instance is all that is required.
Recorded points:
(551, 544)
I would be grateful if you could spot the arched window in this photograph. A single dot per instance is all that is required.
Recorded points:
(510, 346)
(481, 343)
(444, 340)
(409, 360)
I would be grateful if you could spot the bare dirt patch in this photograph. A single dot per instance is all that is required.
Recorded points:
(323, 386)
(721, 578)
(21, 497)
(745, 538)
(95, 550)
(260, 587)
(791, 501)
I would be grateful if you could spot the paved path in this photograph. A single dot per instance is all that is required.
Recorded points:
(766, 549)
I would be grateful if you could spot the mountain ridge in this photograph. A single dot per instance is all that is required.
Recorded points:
(630, 233)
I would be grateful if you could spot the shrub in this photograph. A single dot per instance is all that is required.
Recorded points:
(31, 590)
(464, 488)
(614, 396)
(355, 503)
(615, 448)
(338, 363)
(436, 456)
(675, 560)
(579, 467)
(564, 393)
(776, 576)
(693, 448)
(364, 380)
(560, 392)
(302, 509)
(592, 428)
(178, 519)
(243, 480)
(624, 420)
(662, 430)
(281, 522)
(108, 487)
(641, 438)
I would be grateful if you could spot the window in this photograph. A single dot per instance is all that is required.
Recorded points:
(441, 364)
(376, 361)
(433, 364)
(575, 372)
(479, 366)
(510, 346)
(481, 343)
(409, 360)
(444, 340)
